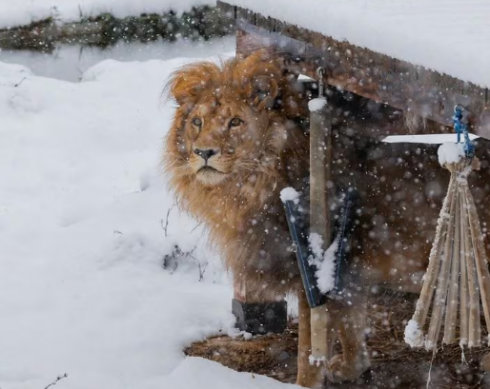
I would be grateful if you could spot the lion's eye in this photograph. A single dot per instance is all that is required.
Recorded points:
(197, 122)
(235, 122)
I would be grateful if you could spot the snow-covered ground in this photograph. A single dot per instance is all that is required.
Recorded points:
(21, 12)
(83, 213)
(450, 36)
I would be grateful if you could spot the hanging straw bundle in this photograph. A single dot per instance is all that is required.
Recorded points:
(457, 279)
(457, 276)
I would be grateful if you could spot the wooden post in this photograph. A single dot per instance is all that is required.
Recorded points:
(320, 149)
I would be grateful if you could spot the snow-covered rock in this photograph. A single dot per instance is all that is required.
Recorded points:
(23, 12)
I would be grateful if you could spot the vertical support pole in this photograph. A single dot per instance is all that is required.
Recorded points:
(320, 155)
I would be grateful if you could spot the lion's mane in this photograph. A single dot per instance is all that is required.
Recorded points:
(244, 214)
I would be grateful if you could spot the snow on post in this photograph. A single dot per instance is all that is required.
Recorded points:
(324, 262)
(317, 104)
(289, 194)
(414, 336)
(450, 152)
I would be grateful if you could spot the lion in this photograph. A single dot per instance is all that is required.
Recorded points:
(236, 141)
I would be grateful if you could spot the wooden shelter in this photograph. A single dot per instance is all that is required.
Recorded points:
(400, 84)
(393, 82)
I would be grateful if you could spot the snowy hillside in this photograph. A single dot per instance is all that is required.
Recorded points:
(83, 214)
(22, 12)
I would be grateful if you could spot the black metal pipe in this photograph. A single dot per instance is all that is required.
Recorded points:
(303, 252)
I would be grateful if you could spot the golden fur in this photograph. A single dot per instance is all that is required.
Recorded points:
(255, 159)
(239, 119)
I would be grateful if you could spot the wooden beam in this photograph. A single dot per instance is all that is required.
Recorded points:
(376, 76)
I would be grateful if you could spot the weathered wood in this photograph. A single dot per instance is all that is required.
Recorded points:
(480, 257)
(376, 76)
(461, 268)
(458, 257)
(320, 145)
(320, 163)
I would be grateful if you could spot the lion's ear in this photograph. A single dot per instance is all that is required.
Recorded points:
(263, 91)
(187, 83)
(262, 78)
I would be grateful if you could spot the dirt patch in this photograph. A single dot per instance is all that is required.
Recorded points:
(394, 364)
(270, 355)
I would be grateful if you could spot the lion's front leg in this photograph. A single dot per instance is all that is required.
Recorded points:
(350, 320)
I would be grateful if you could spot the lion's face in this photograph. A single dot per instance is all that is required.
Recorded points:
(225, 127)
(222, 138)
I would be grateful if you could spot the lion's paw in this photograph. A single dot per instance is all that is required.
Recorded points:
(338, 370)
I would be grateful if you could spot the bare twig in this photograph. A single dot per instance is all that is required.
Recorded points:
(58, 379)
(165, 228)
(197, 225)
(202, 267)
(171, 261)
(20, 82)
(202, 270)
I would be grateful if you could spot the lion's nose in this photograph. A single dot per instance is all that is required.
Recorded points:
(205, 154)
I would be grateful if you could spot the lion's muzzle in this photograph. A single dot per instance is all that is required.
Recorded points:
(206, 166)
